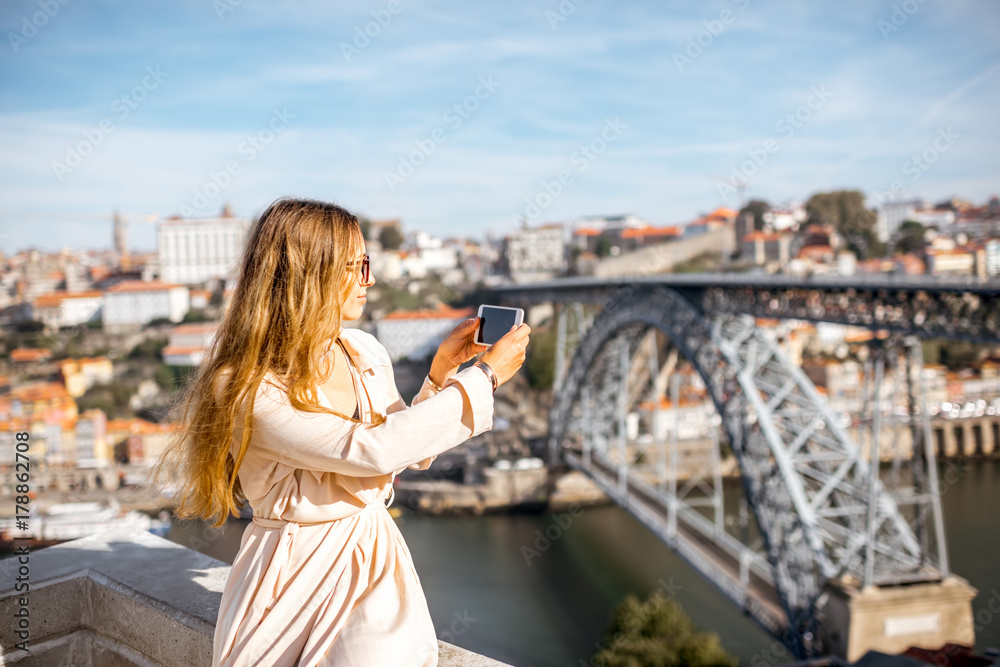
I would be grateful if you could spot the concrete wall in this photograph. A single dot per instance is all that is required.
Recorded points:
(664, 257)
(125, 597)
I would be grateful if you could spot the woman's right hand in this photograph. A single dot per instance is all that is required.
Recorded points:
(507, 354)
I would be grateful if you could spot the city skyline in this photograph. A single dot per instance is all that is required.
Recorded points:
(579, 109)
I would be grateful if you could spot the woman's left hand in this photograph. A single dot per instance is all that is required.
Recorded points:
(460, 345)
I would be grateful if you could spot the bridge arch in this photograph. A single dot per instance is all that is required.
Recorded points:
(803, 477)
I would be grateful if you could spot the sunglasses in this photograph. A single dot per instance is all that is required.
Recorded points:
(366, 271)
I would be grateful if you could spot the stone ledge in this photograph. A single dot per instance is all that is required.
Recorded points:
(128, 597)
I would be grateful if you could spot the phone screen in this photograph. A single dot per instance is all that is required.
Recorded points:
(495, 323)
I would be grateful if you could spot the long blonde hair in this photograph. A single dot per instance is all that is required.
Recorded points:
(292, 282)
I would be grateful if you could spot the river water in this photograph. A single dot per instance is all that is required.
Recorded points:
(501, 586)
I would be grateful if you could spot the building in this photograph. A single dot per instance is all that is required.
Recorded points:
(91, 439)
(38, 401)
(68, 309)
(416, 334)
(959, 261)
(194, 251)
(780, 219)
(137, 440)
(536, 253)
(720, 218)
(200, 298)
(891, 215)
(188, 343)
(133, 303)
(766, 248)
(638, 237)
(79, 375)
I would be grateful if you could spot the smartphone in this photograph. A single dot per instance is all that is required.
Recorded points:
(495, 321)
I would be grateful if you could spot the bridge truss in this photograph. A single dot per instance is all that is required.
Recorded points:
(822, 512)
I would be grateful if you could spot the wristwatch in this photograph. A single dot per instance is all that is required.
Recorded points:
(489, 373)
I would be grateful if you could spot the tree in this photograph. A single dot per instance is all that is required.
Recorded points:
(29, 326)
(541, 360)
(657, 632)
(909, 237)
(390, 238)
(149, 348)
(366, 227)
(758, 208)
(603, 246)
(845, 211)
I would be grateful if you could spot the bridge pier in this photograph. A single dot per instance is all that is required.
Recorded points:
(891, 619)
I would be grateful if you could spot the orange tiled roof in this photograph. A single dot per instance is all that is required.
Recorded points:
(665, 403)
(55, 298)
(633, 232)
(810, 251)
(174, 350)
(722, 212)
(141, 286)
(761, 236)
(587, 231)
(27, 354)
(137, 425)
(195, 327)
(39, 391)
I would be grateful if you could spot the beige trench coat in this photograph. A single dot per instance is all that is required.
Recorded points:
(323, 576)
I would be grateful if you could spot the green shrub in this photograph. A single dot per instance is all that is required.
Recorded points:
(657, 633)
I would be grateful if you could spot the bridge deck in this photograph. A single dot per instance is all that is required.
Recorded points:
(722, 568)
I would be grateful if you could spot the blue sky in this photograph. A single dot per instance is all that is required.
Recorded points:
(641, 107)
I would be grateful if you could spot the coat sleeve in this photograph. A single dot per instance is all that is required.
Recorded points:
(328, 443)
(426, 391)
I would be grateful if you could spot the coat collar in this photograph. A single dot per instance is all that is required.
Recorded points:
(354, 341)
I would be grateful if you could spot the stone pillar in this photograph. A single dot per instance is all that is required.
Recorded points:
(891, 619)
(950, 442)
(968, 438)
(989, 444)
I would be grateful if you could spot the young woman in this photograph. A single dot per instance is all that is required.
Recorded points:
(301, 417)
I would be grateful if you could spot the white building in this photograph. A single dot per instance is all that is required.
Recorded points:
(68, 309)
(892, 214)
(188, 343)
(993, 257)
(932, 217)
(132, 303)
(535, 253)
(780, 219)
(416, 334)
(193, 251)
(387, 265)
